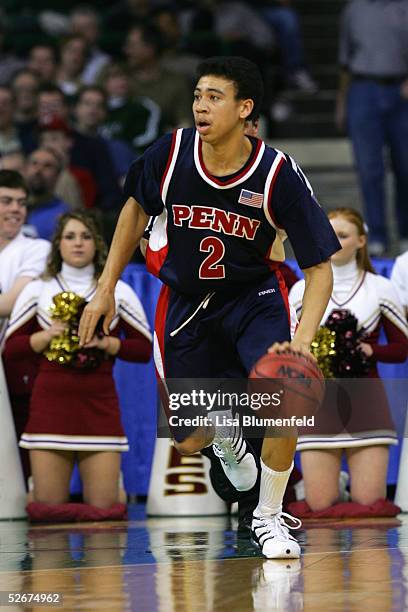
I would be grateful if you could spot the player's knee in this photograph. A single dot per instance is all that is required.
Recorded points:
(189, 446)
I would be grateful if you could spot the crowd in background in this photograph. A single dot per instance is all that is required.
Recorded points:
(85, 90)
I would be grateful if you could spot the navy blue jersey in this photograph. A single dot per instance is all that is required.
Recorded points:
(213, 233)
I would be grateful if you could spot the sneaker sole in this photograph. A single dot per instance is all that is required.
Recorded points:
(287, 556)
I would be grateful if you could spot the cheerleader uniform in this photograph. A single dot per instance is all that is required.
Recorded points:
(356, 413)
(399, 278)
(75, 409)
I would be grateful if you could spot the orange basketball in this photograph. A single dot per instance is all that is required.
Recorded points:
(296, 377)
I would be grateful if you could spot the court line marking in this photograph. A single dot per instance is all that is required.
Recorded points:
(172, 562)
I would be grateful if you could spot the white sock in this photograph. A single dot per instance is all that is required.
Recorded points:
(222, 431)
(272, 490)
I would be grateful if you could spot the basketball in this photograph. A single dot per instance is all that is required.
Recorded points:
(295, 377)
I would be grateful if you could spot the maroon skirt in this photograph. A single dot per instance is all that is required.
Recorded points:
(74, 409)
(354, 412)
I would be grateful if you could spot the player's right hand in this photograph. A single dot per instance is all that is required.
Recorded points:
(101, 305)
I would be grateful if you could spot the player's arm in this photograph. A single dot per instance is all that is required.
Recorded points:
(8, 299)
(313, 241)
(129, 230)
(318, 289)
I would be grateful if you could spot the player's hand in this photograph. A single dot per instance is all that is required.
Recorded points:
(101, 305)
(278, 347)
(297, 346)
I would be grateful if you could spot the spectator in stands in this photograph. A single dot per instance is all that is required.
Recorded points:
(90, 114)
(399, 278)
(373, 102)
(128, 11)
(75, 405)
(52, 103)
(243, 29)
(73, 58)
(142, 48)
(9, 63)
(9, 137)
(175, 56)
(87, 152)
(85, 21)
(43, 60)
(13, 161)
(25, 86)
(368, 430)
(21, 260)
(76, 186)
(135, 120)
(41, 174)
(284, 20)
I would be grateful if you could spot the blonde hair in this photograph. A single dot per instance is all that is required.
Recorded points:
(353, 216)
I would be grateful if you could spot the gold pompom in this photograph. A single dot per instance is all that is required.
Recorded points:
(66, 307)
(323, 348)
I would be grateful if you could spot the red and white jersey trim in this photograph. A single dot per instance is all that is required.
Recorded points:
(157, 247)
(237, 180)
(276, 251)
(269, 185)
(171, 162)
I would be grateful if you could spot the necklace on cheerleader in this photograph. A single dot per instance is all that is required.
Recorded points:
(78, 280)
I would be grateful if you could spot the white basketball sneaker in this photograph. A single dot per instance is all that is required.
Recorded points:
(271, 534)
(276, 586)
(237, 460)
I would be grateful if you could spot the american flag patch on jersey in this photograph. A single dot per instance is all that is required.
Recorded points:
(250, 198)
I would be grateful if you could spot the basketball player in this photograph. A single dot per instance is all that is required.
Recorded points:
(224, 203)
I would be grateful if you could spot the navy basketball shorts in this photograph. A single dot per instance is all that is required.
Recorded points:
(220, 335)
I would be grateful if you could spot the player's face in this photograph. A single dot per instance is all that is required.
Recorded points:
(349, 238)
(77, 246)
(216, 110)
(13, 212)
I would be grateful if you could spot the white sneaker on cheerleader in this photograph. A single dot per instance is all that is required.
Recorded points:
(271, 534)
(237, 460)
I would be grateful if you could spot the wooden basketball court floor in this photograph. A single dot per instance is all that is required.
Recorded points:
(198, 565)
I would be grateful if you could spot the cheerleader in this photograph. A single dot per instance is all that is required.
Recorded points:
(74, 411)
(367, 429)
(399, 278)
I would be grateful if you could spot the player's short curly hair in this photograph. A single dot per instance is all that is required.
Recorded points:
(242, 72)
